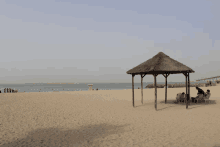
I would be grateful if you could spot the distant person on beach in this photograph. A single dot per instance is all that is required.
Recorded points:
(200, 91)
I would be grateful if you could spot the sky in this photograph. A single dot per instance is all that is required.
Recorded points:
(98, 41)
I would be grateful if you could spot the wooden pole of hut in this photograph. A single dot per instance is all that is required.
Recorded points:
(185, 74)
(188, 90)
(187, 85)
(133, 88)
(166, 75)
(142, 89)
(166, 89)
(155, 86)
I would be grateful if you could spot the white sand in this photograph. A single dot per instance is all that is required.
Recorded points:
(107, 118)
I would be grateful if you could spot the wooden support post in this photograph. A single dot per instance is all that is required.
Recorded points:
(142, 89)
(186, 83)
(186, 74)
(133, 88)
(166, 75)
(155, 86)
(187, 86)
(188, 89)
(166, 89)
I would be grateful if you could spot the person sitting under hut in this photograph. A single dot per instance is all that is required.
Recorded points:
(207, 93)
(200, 93)
(179, 96)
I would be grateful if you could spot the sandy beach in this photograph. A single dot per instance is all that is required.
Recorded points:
(107, 118)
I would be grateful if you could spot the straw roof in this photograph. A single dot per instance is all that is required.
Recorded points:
(160, 64)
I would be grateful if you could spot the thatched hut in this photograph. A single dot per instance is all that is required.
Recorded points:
(160, 64)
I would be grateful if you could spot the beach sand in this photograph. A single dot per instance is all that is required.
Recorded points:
(107, 118)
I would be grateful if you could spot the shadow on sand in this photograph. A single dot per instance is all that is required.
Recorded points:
(58, 137)
(173, 103)
(191, 105)
(211, 102)
(165, 108)
(149, 105)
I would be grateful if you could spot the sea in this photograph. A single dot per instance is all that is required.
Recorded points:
(45, 87)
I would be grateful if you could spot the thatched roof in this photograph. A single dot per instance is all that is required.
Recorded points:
(159, 64)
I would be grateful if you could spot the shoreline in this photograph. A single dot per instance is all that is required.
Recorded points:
(171, 92)
(208, 87)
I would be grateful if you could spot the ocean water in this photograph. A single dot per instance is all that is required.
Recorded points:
(44, 87)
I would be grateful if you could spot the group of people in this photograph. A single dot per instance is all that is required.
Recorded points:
(200, 91)
(9, 90)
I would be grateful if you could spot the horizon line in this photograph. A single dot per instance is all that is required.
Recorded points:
(103, 82)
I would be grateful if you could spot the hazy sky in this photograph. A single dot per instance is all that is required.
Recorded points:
(98, 40)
